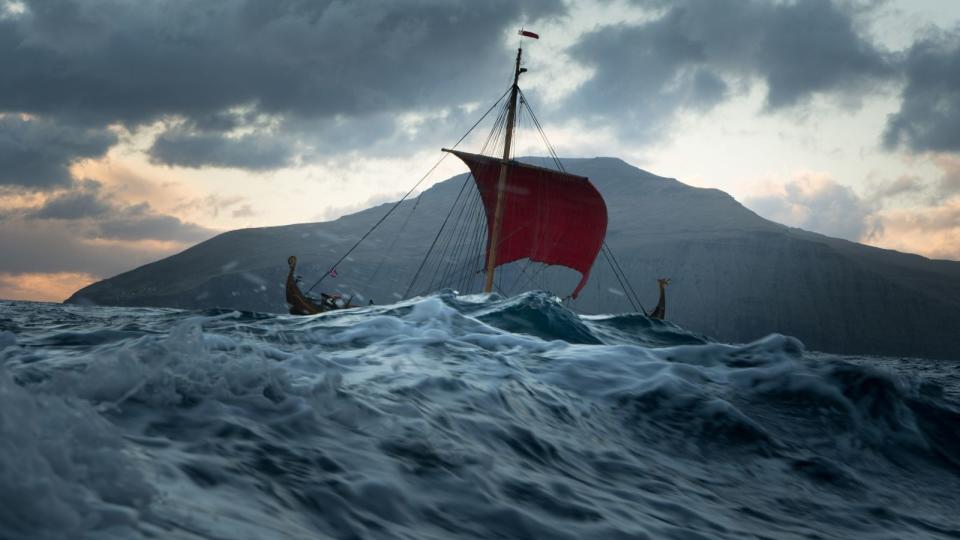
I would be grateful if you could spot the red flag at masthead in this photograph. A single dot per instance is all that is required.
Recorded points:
(529, 34)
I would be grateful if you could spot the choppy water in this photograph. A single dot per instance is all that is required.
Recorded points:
(459, 417)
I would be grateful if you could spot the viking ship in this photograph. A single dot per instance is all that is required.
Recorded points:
(539, 214)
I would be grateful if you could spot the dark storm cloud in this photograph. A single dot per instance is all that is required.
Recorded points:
(929, 115)
(690, 55)
(55, 246)
(92, 214)
(65, 233)
(79, 204)
(140, 223)
(96, 62)
(37, 154)
(252, 151)
(104, 61)
(302, 140)
(902, 186)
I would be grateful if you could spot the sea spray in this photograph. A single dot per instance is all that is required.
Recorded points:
(458, 416)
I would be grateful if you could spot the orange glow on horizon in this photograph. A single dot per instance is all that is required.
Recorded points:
(53, 287)
(933, 232)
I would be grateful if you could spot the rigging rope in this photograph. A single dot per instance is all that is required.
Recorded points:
(475, 265)
(493, 137)
(608, 253)
(406, 293)
(618, 272)
(466, 236)
(456, 243)
(394, 207)
(466, 232)
(543, 134)
(393, 244)
(619, 280)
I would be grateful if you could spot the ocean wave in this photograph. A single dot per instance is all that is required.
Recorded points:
(450, 416)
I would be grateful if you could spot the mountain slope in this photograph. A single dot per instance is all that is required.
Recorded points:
(735, 275)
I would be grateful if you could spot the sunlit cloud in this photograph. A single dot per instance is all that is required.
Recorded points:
(815, 202)
(931, 231)
(10, 9)
(906, 213)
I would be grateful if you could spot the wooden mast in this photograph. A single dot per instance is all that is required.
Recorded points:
(502, 182)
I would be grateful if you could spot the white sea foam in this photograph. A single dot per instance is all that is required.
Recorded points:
(64, 471)
(449, 417)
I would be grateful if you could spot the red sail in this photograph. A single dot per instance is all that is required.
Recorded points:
(548, 216)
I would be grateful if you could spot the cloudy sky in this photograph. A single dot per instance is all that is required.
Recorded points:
(131, 129)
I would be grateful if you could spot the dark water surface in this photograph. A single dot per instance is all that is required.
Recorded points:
(450, 416)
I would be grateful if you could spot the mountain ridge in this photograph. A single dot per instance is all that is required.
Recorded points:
(736, 276)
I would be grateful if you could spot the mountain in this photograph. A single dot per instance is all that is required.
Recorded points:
(734, 275)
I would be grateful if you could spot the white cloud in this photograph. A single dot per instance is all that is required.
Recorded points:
(816, 203)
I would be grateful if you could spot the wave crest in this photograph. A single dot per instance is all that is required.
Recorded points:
(458, 416)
